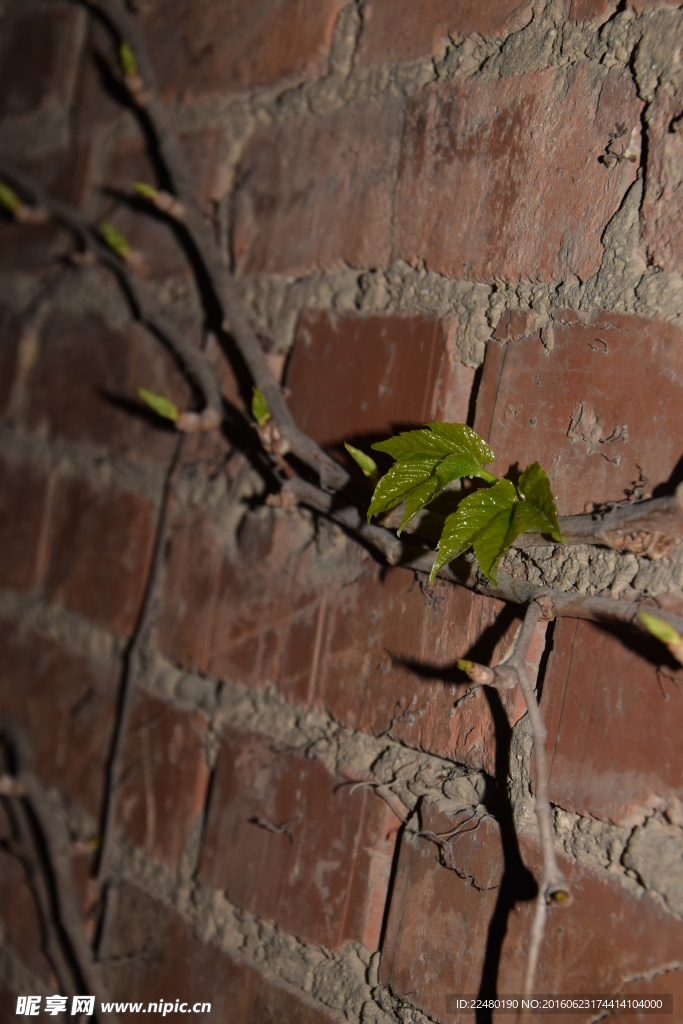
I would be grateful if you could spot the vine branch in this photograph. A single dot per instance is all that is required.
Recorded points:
(236, 322)
(139, 293)
(53, 831)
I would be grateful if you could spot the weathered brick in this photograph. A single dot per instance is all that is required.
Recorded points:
(286, 841)
(358, 378)
(522, 156)
(149, 233)
(389, 666)
(84, 386)
(66, 705)
(317, 193)
(39, 60)
(661, 214)
(100, 553)
(165, 778)
(151, 955)
(368, 646)
(595, 679)
(591, 10)
(265, 621)
(483, 909)
(10, 332)
(23, 499)
(603, 403)
(224, 48)
(194, 562)
(97, 103)
(403, 31)
(28, 247)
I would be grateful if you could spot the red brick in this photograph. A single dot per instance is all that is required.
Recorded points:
(149, 233)
(84, 386)
(40, 59)
(26, 247)
(389, 666)
(10, 332)
(23, 498)
(661, 214)
(358, 378)
(267, 609)
(377, 654)
(66, 704)
(521, 154)
(614, 719)
(403, 31)
(626, 371)
(326, 881)
(225, 48)
(100, 553)
(165, 778)
(193, 565)
(317, 193)
(598, 944)
(151, 954)
(592, 10)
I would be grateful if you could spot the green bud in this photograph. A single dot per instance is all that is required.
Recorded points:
(162, 406)
(259, 407)
(368, 465)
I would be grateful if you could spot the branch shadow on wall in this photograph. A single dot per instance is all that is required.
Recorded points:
(517, 882)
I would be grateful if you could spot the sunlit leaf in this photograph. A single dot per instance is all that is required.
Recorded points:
(536, 512)
(368, 465)
(482, 519)
(491, 520)
(426, 461)
(115, 240)
(129, 65)
(9, 198)
(163, 407)
(259, 407)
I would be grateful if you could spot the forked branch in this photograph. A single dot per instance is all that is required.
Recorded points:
(25, 785)
(144, 93)
(553, 887)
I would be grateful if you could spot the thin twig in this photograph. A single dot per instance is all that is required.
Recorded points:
(25, 848)
(139, 293)
(57, 845)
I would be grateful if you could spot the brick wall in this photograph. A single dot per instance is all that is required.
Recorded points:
(468, 211)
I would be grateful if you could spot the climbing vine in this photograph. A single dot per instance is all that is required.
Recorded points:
(496, 515)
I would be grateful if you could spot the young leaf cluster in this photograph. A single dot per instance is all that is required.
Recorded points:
(489, 520)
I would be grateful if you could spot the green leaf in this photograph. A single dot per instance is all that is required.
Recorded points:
(537, 512)
(426, 461)
(162, 406)
(129, 65)
(144, 190)
(491, 520)
(115, 240)
(660, 629)
(259, 407)
(368, 465)
(9, 198)
(481, 521)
